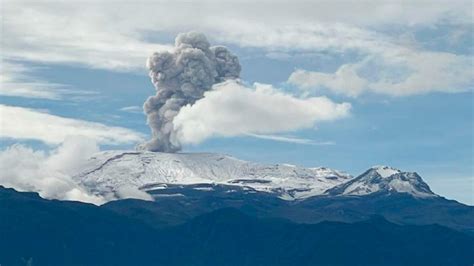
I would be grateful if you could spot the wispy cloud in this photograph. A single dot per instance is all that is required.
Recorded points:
(30, 124)
(291, 139)
(119, 38)
(17, 80)
(406, 73)
(73, 33)
(132, 109)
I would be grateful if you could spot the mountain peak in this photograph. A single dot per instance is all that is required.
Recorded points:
(107, 172)
(385, 171)
(384, 179)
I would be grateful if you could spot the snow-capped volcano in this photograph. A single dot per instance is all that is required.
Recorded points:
(384, 179)
(109, 171)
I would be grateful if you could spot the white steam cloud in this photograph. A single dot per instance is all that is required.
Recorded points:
(181, 78)
(49, 174)
(232, 109)
(199, 95)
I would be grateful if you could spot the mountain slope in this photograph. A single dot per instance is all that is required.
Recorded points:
(400, 208)
(386, 179)
(107, 172)
(35, 231)
(46, 232)
(186, 185)
(275, 242)
(110, 170)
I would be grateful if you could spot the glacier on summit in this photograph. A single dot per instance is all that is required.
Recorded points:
(108, 172)
(384, 178)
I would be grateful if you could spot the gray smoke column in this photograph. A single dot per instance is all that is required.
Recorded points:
(181, 78)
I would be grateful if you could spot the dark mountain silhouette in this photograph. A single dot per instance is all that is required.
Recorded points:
(36, 231)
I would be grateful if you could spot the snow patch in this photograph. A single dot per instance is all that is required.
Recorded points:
(109, 170)
(386, 171)
(204, 188)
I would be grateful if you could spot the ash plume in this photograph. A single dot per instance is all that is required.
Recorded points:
(181, 77)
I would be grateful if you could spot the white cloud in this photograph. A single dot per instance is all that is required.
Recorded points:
(50, 173)
(115, 34)
(121, 38)
(25, 123)
(24, 169)
(291, 139)
(132, 109)
(231, 109)
(129, 192)
(408, 73)
(344, 80)
(17, 80)
(73, 32)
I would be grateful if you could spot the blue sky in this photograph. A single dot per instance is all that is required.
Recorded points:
(407, 76)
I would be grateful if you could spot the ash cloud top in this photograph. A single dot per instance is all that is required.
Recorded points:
(181, 78)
